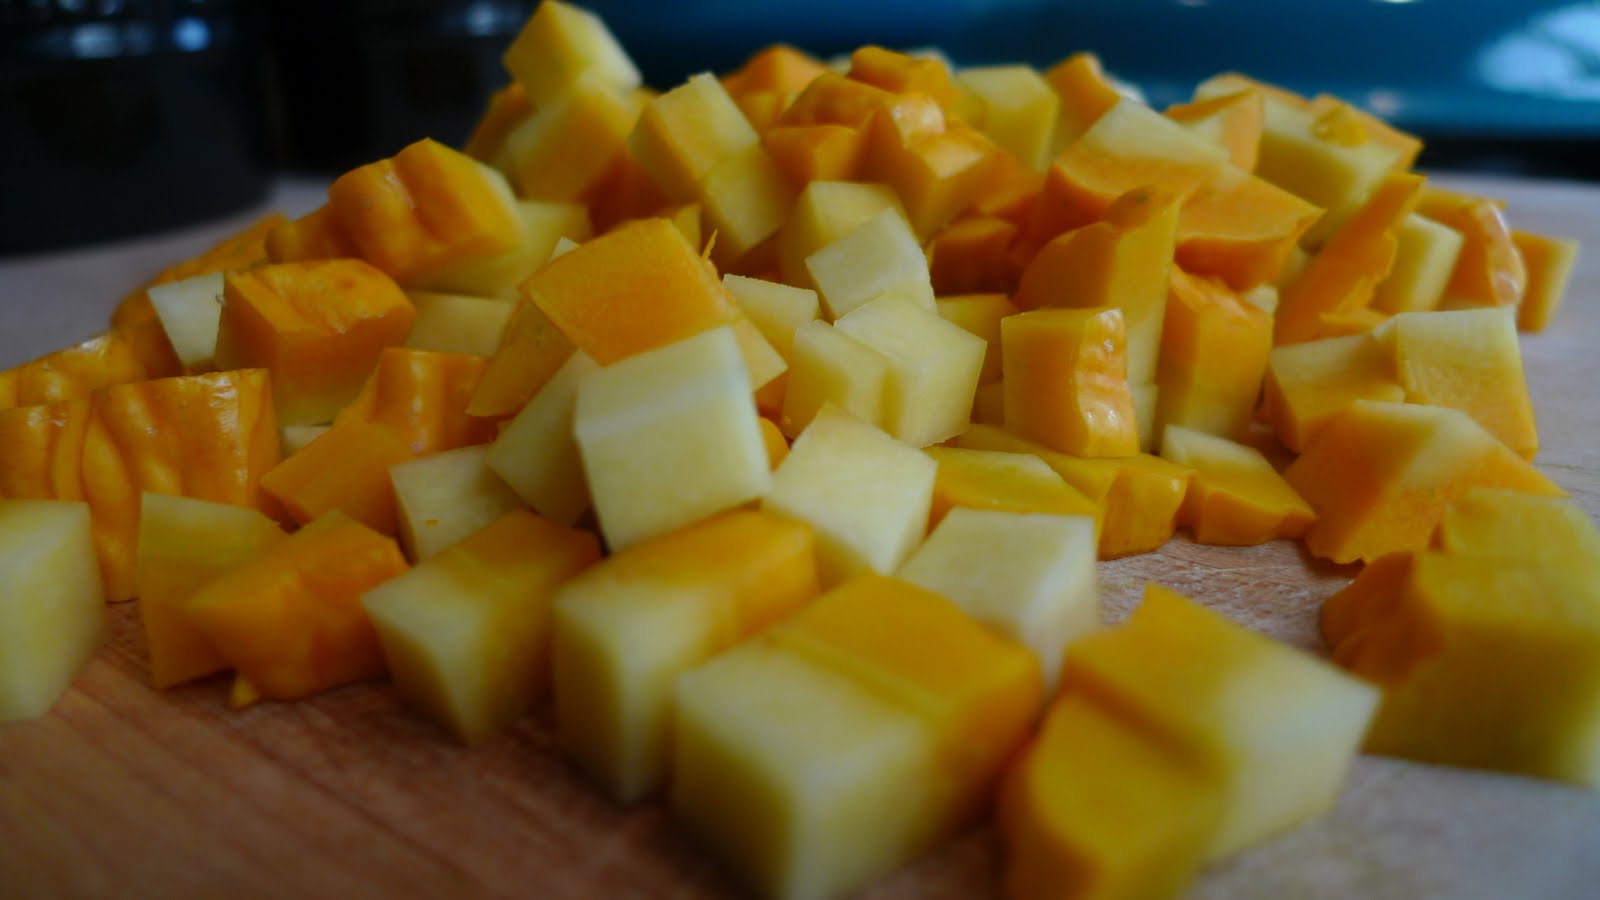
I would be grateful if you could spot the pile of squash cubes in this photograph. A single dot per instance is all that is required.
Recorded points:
(772, 427)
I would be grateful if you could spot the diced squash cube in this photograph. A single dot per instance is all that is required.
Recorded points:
(467, 634)
(1273, 729)
(566, 149)
(53, 606)
(544, 223)
(1549, 262)
(290, 619)
(347, 469)
(746, 199)
(777, 309)
(1489, 270)
(1424, 258)
(423, 395)
(879, 257)
(1066, 379)
(445, 497)
(453, 323)
(933, 367)
(184, 543)
(126, 354)
(317, 327)
(1235, 496)
(537, 455)
(1309, 383)
(830, 366)
(1019, 110)
(1002, 480)
(561, 44)
(1214, 352)
(824, 212)
(683, 134)
(980, 314)
(190, 311)
(865, 494)
(669, 437)
(1031, 576)
(625, 629)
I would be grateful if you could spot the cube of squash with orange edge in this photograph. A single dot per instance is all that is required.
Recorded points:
(1307, 384)
(1086, 95)
(933, 367)
(1424, 259)
(1009, 191)
(444, 497)
(243, 248)
(762, 109)
(842, 679)
(683, 134)
(632, 289)
(1241, 228)
(1066, 379)
(936, 175)
(1138, 497)
(1379, 476)
(425, 211)
(423, 395)
(317, 326)
(1005, 481)
(466, 635)
(980, 314)
(531, 349)
(127, 353)
(1235, 496)
(204, 436)
(1214, 351)
(346, 469)
(823, 152)
(1549, 261)
(561, 44)
(971, 256)
(1231, 121)
(1271, 729)
(508, 107)
(1486, 661)
(1094, 810)
(316, 235)
(623, 630)
(1130, 146)
(564, 151)
(903, 73)
(1490, 270)
(184, 543)
(290, 620)
(1123, 261)
(779, 67)
(1342, 275)
(1469, 360)
(544, 224)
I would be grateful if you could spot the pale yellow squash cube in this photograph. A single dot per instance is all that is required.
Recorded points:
(564, 150)
(456, 323)
(190, 311)
(824, 212)
(466, 634)
(865, 494)
(764, 736)
(830, 366)
(879, 258)
(980, 314)
(746, 198)
(685, 133)
(536, 453)
(670, 436)
(52, 611)
(1424, 258)
(444, 497)
(777, 309)
(561, 43)
(762, 362)
(1019, 110)
(933, 367)
(1029, 576)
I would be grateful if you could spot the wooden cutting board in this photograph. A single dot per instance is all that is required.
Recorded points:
(123, 792)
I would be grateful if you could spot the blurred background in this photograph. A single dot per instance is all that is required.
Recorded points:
(120, 117)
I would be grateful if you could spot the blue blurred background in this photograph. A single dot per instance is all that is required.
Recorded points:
(166, 111)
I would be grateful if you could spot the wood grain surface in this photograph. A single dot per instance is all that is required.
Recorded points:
(124, 792)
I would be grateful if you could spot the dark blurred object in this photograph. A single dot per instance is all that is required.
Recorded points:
(1490, 81)
(119, 117)
(360, 79)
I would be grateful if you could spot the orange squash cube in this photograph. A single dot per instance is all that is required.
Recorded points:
(127, 353)
(317, 327)
(1066, 381)
(1214, 351)
(316, 235)
(971, 256)
(821, 152)
(1549, 262)
(423, 395)
(1489, 270)
(531, 350)
(290, 620)
(346, 469)
(1002, 480)
(507, 108)
(1235, 496)
(1241, 228)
